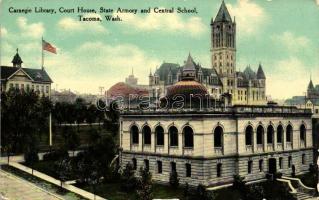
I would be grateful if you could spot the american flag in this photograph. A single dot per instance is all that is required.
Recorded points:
(48, 47)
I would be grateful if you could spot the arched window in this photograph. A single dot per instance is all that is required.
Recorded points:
(134, 163)
(249, 135)
(270, 134)
(289, 133)
(302, 133)
(159, 132)
(260, 133)
(147, 135)
(280, 131)
(219, 169)
(218, 135)
(134, 134)
(173, 136)
(188, 137)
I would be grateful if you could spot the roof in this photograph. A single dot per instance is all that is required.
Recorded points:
(260, 73)
(165, 68)
(121, 89)
(17, 59)
(187, 88)
(190, 65)
(223, 14)
(249, 73)
(37, 75)
(310, 85)
(295, 100)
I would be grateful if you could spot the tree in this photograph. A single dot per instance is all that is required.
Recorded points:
(255, 192)
(80, 111)
(72, 140)
(129, 181)
(173, 179)
(63, 169)
(203, 194)
(144, 191)
(91, 114)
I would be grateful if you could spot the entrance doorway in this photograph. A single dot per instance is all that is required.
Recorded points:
(272, 165)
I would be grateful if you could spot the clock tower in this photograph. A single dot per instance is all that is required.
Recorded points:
(223, 48)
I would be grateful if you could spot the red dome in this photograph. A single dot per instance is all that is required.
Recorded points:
(124, 90)
(186, 88)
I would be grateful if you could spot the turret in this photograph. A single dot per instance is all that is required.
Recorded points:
(17, 61)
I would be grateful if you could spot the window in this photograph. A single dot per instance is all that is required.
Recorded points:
(17, 86)
(147, 135)
(219, 169)
(134, 163)
(159, 167)
(146, 165)
(28, 87)
(250, 166)
(188, 137)
(11, 85)
(261, 165)
(280, 163)
(42, 89)
(173, 167)
(22, 86)
(249, 135)
(302, 133)
(270, 134)
(173, 136)
(260, 133)
(134, 134)
(32, 87)
(159, 132)
(47, 89)
(218, 132)
(279, 134)
(289, 161)
(37, 88)
(303, 159)
(188, 170)
(289, 133)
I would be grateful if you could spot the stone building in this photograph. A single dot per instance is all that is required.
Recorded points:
(246, 88)
(22, 78)
(208, 145)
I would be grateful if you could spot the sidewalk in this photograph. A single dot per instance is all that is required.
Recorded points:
(16, 188)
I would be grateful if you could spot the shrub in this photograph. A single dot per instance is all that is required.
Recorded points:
(129, 182)
(56, 155)
(173, 179)
(31, 157)
(144, 190)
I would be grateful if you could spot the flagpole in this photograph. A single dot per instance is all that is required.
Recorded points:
(42, 54)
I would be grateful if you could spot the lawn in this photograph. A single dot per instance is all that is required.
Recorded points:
(112, 191)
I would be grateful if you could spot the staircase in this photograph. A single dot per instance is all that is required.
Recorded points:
(300, 191)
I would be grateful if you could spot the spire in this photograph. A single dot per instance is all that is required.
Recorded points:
(310, 85)
(17, 61)
(223, 14)
(150, 71)
(260, 72)
(189, 65)
(132, 71)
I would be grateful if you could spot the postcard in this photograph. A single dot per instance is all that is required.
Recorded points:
(159, 99)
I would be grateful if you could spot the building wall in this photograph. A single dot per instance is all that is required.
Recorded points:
(204, 157)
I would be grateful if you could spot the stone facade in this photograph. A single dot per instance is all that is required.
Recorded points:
(216, 144)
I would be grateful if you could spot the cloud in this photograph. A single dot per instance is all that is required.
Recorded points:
(3, 32)
(291, 41)
(107, 65)
(70, 24)
(249, 16)
(288, 75)
(168, 22)
(33, 30)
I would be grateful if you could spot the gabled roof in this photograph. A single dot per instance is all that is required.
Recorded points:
(164, 69)
(223, 14)
(260, 73)
(37, 75)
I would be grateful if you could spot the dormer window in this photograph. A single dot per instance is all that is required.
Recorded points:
(39, 75)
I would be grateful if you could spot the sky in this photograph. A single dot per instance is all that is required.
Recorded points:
(282, 35)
